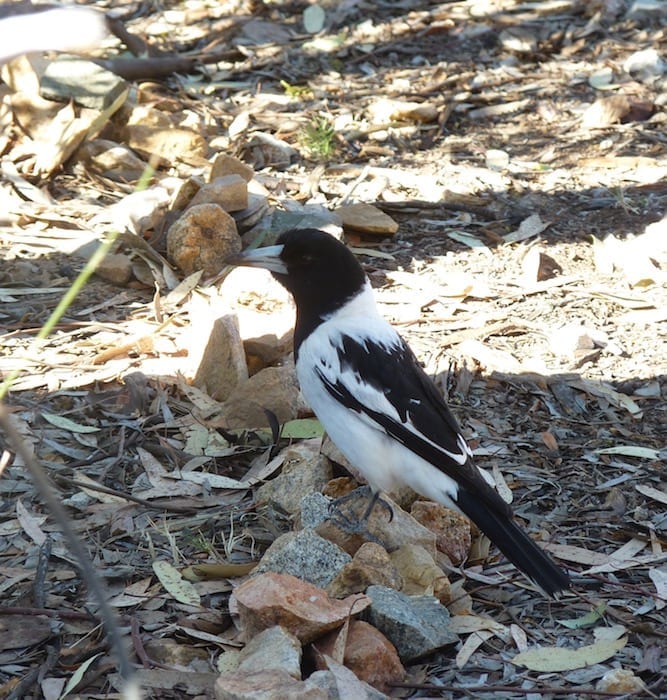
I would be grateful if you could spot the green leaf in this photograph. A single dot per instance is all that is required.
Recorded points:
(78, 675)
(67, 424)
(302, 428)
(585, 620)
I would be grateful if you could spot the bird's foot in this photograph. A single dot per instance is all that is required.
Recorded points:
(348, 521)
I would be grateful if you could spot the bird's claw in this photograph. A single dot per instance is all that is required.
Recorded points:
(351, 524)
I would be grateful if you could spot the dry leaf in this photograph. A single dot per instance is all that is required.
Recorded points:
(659, 578)
(180, 589)
(532, 226)
(471, 645)
(554, 659)
(31, 525)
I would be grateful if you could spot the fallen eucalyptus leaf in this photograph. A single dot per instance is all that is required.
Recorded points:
(553, 659)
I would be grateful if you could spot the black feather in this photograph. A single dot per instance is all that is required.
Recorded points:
(515, 544)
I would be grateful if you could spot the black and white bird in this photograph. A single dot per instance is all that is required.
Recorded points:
(377, 404)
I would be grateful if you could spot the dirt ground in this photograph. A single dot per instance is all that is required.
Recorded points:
(523, 274)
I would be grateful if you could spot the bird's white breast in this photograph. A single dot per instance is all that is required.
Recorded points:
(383, 461)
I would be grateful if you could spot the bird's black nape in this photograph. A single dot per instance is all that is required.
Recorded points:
(322, 274)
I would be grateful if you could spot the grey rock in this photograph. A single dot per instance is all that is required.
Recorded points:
(305, 471)
(416, 626)
(343, 685)
(85, 82)
(306, 555)
(273, 649)
(315, 509)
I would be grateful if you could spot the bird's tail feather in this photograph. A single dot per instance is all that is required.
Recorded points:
(515, 544)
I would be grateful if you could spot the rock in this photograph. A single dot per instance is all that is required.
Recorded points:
(137, 212)
(314, 510)
(167, 651)
(265, 150)
(341, 485)
(115, 268)
(416, 626)
(113, 160)
(228, 661)
(308, 216)
(202, 239)
(370, 565)
(266, 315)
(401, 529)
(267, 338)
(256, 212)
(273, 388)
(186, 192)
(165, 146)
(420, 574)
(305, 471)
(89, 85)
(229, 192)
(146, 115)
(274, 684)
(367, 653)
(272, 649)
(365, 218)
(216, 360)
(306, 555)
(385, 110)
(342, 684)
(620, 680)
(224, 164)
(451, 529)
(303, 609)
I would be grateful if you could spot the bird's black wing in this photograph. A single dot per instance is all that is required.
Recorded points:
(418, 417)
(385, 385)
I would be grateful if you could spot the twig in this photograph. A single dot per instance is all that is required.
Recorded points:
(48, 612)
(495, 689)
(126, 496)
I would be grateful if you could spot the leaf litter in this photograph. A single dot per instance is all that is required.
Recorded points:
(586, 192)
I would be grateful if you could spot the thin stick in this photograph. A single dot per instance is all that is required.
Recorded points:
(49, 493)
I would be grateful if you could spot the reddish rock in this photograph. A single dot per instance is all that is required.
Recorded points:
(301, 608)
(451, 529)
(370, 565)
(367, 653)
(274, 388)
(365, 218)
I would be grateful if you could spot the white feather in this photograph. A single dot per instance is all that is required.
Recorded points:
(383, 461)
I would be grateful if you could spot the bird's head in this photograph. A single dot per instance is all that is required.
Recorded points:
(319, 271)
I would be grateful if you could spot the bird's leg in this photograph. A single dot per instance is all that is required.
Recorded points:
(354, 525)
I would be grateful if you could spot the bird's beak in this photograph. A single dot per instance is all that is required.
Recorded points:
(268, 258)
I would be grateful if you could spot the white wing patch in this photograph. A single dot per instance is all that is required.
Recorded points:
(367, 444)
